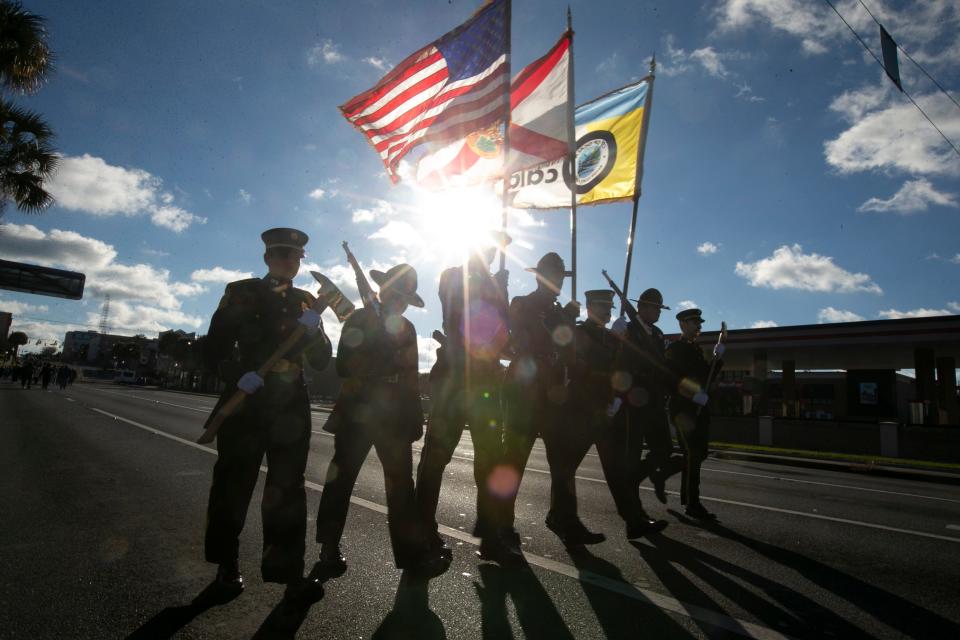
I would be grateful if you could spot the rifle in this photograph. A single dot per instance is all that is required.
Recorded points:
(363, 286)
(628, 308)
(713, 363)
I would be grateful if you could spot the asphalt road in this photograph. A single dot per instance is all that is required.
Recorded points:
(102, 503)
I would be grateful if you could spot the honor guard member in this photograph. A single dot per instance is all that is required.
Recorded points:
(465, 383)
(378, 406)
(688, 410)
(643, 417)
(254, 317)
(535, 389)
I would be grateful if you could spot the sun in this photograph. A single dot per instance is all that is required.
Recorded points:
(455, 223)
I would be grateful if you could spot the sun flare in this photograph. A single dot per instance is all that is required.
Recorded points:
(455, 223)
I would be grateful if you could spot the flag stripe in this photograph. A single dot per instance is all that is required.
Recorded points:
(536, 144)
(374, 98)
(533, 74)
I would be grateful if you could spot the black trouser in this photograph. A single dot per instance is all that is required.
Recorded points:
(566, 447)
(693, 432)
(352, 443)
(454, 405)
(648, 425)
(275, 424)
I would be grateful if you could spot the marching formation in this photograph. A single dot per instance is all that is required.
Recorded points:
(574, 385)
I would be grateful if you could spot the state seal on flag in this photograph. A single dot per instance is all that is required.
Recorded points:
(486, 143)
(596, 155)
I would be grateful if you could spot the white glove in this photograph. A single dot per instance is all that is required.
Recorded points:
(719, 349)
(700, 398)
(619, 326)
(249, 382)
(311, 320)
(613, 407)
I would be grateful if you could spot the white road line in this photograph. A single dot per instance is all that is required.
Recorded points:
(171, 404)
(636, 592)
(955, 527)
(829, 484)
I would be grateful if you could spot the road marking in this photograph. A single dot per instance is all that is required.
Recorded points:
(634, 591)
(955, 527)
(830, 484)
(171, 404)
(69, 399)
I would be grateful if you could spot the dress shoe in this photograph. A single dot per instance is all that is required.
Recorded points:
(502, 548)
(659, 487)
(229, 580)
(644, 526)
(303, 592)
(332, 564)
(699, 512)
(574, 533)
(429, 564)
(436, 542)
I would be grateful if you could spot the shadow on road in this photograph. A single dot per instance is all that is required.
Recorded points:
(536, 612)
(411, 616)
(908, 618)
(619, 615)
(166, 623)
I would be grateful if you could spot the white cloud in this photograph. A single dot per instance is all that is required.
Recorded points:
(18, 308)
(44, 331)
(219, 274)
(709, 59)
(764, 324)
(427, 349)
(245, 196)
(745, 92)
(125, 317)
(326, 52)
(399, 233)
(317, 194)
(955, 259)
(913, 196)
(892, 135)
(380, 210)
(87, 183)
(378, 63)
(954, 306)
(830, 314)
(609, 64)
(708, 248)
(790, 268)
(894, 314)
(142, 283)
(686, 304)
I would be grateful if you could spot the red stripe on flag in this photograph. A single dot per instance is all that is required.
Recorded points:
(532, 143)
(534, 73)
(397, 75)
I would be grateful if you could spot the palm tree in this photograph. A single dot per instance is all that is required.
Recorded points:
(16, 340)
(26, 157)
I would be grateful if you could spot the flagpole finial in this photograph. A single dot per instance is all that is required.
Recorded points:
(653, 62)
(569, 18)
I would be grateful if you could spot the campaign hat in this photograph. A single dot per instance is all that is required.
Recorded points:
(652, 297)
(550, 263)
(400, 279)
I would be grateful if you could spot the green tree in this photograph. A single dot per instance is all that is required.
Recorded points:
(16, 340)
(27, 158)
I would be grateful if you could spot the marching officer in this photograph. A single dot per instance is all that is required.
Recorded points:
(254, 317)
(466, 381)
(595, 398)
(643, 418)
(535, 389)
(688, 410)
(379, 406)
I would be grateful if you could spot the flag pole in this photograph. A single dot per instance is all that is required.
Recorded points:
(505, 196)
(572, 154)
(641, 148)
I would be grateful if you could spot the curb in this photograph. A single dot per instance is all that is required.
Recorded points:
(913, 473)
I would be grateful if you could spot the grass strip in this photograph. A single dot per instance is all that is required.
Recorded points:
(844, 457)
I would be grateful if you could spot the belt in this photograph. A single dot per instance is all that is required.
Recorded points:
(285, 366)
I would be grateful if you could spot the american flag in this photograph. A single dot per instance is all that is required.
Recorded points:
(450, 88)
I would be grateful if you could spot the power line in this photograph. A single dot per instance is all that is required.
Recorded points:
(910, 58)
(870, 51)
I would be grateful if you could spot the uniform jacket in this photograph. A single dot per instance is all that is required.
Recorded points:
(379, 362)
(642, 355)
(478, 303)
(690, 368)
(540, 333)
(591, 390)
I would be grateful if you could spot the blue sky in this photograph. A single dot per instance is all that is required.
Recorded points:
(786, 180)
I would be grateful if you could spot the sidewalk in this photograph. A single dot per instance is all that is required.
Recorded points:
(893, 467)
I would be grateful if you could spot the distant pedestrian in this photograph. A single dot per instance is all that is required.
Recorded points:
(46, 374)
(26, 375)
(688, 406)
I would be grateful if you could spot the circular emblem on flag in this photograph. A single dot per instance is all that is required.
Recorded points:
(486, 143)
(596, 155)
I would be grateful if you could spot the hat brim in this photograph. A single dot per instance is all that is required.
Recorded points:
(652, 304)
(412, 299)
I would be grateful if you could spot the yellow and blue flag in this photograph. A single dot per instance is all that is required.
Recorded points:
(609, 131)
